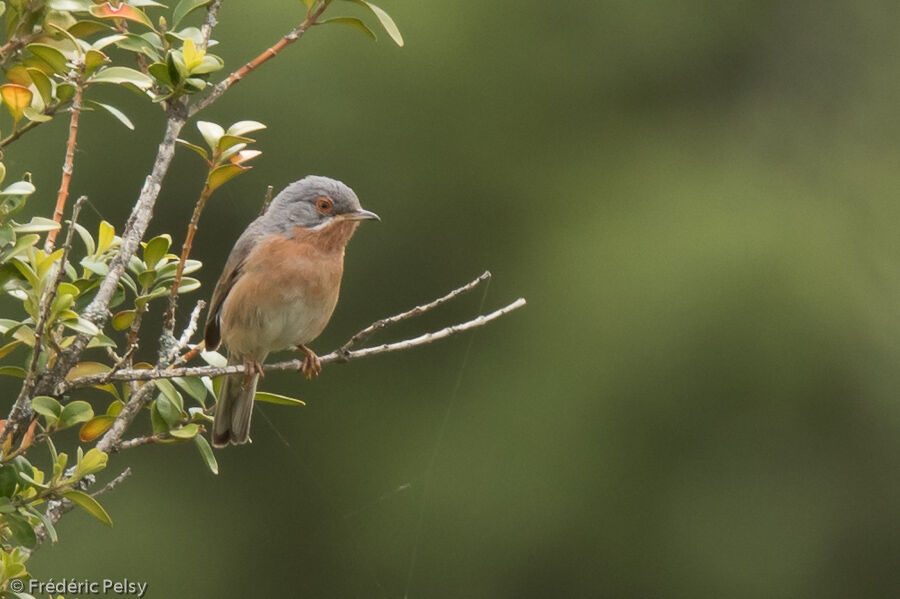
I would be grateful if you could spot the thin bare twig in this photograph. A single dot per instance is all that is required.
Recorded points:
(20, 410)
(138, 441)
(114, 482)
(292, 36)
(191, 328)
(56, 508)
(69, 162)
(334, 356)
(267, 200)
(380, 324)
(17, 133)
(212, 10)
(169, 318)
(98, 310)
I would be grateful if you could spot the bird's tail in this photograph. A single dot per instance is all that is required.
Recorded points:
(234, 409)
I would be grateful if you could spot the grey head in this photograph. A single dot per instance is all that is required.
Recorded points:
(313, 202)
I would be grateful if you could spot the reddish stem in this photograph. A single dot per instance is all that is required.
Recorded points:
(169, 319)
(68, 165)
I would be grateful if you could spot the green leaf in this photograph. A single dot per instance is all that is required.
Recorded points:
(210, 63)
(101, 341)
(168, 389)
(42, 83)
(242, 128)
(47, 407)
(193, 386)
(168, 411)
(8, 348)
(89, 504)
(119, 75)
(156, 249)
(188, 284)
(86, 369)
(140, 44)
(51, 56)
(12, 371)
(35, 115)
(221, 175)
(86, 238)
(351, 22)
(188, 431)
(123, 319)
(211, 132)
(281, 400)
(214, 359)
(21, 530)
(89, 463)
(95, 266)
(161, 73)
(37, 224)
(48, 526)
(9, 479)
(194, 147)
(75, 412)
(93, 59)
(206, 453)
(385, 19)
(84, 29)
(19, 188)
(81, 325)
(120, 116)
(184, 8)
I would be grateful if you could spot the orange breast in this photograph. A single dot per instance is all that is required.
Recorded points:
(285, 295)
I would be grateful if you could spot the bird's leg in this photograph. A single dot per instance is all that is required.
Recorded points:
(251, 369)
(312, 367)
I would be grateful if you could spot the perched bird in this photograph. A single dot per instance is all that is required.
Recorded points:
(279, 289)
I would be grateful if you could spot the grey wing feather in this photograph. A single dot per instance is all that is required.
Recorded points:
(230, 274)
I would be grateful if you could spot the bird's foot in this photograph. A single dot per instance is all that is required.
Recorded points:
(251, 369)
(312, 366)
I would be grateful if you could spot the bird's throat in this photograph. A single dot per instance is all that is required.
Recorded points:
(331, 237)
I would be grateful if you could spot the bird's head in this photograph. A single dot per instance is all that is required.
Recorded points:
(315, 202)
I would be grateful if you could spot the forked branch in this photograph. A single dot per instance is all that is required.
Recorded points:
(342, 354)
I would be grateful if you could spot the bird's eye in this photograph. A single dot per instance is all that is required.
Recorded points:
(324, 205)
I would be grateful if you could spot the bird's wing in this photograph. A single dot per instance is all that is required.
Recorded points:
(231, 273)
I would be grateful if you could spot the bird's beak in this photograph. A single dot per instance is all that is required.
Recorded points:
(360, 214)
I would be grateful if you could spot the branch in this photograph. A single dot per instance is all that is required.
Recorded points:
(20, 410)
(292, 36)
(112, 439)
(98, 310)
(335, 356)
(267, 200)
(56, 508)
(69, 162)
(206, 29)
(384, 322)
(169, 318)
(17, 133)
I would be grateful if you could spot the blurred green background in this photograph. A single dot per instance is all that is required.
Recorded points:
(698, 200)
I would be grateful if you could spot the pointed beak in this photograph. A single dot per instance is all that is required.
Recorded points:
(361, 214)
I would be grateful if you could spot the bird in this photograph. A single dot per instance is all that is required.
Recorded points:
(278, 290)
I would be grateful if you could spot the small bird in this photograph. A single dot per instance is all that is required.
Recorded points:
(278, 290)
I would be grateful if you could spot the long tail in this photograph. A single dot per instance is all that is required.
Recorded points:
(234, 410)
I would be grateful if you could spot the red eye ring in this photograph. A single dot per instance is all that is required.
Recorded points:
(324, 205)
